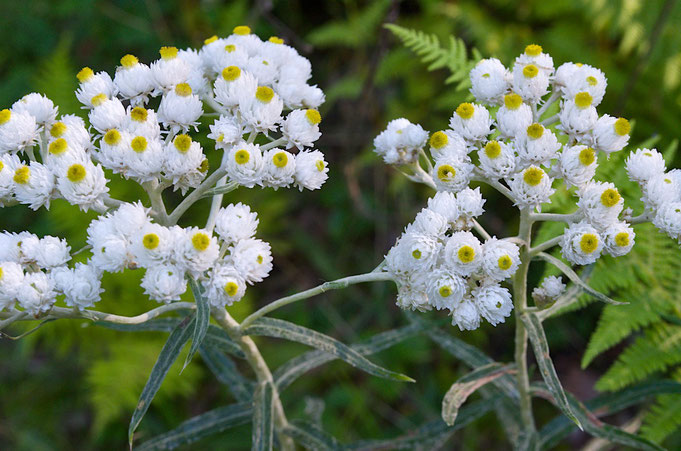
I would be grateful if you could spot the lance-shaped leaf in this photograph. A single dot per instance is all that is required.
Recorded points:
(464, 387)
(263, 423)
(271, 327)
(201, 322)
(171, 349)
(576, 279)
(227, 373)
(287, 373)
(548, 372)
(224, 189)
(311, 436)
(200, 426)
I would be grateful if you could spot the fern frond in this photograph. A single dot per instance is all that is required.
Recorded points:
(663, 418)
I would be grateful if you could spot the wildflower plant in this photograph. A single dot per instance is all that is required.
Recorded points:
(533, 129)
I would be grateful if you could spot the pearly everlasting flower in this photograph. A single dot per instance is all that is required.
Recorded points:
(10, 246)
(463, 253)
(180, 108)
(245, 164)
(37, 105)
(8, 166)
(232, 84)
(106, 113)
(577, 165)
(400, 142)
(490, 81)
(252, 258)
(618, 238)
(466, 315)
(611, 134)
(112, 150)
(470, 203)
(182, 157)
(531, 187)
(279, 168)
(449, 143)
(196, 78)
(452, 173)
(500, 259)
(644, 164)
(428, 222)
(445, 289)
(83, 185)
(145, 158)
(18, 130)
(236, 222)
(668, 219)
(513, 116)
(601, 203)
(11, 278)
(33, 185)
(133, 80)
(81, 286)
(497, 159)
(61, 154)
(471, 121)
(493, 302)
(224, 286)
(164, 283)
(413, 297)
(565, 74)
(530, 81)
(226, 131)
(578, 114)
(585, 78)
(197, 250)
(444, 203)
(169, 70)
(550, 289)
(92, 85)
(661, 189)
(534, 54)
(261, 111)
(311, 170)
(47, 252)
(536, 145)
(301, 128)
(152, 245)
(581, 243)
(72, 129)
(36, 294)
(141, 121)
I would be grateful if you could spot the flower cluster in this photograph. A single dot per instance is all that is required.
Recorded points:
(501, 139)
(142, 124)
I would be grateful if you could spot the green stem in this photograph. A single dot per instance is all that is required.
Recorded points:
(520, 301)
(195, 195)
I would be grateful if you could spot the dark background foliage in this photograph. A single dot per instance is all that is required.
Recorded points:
(73, 386)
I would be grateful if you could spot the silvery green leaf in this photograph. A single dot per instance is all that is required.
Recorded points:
(311, 436)
(201, 322)
(227, 373)
(263, 422)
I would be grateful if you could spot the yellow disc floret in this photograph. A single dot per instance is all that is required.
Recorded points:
(1, 273)
(259, 259)
(22, 175)
(530, 71)
(229, 48)
(492, 149)
(622, 126)
(535, 131)
(210, 40)
(150, 241)
(264, 94)
(242, 30)
(276, 40)
(200, 241)
(99, 99)
(231, 73)
(439, 140)
(446, 172)
(242, 156)
(182, 143)
(587, 156)
(610, 197)
(5, 116)
(465, 110)
(513, 101)
(129, 61)
(112, 137)
(533, 176)
(231, 288)
(445, 291)
(2, 166)
(280, 159)
(139, 144)
(167, 52)
(622, 239)
(183, 89)
(57, 129)
(313, 116)
(466, 254)
(85, 74)
(204, 166)
(588, 243)
(76, 173)
(58, 146)
(591, 80)
(416, 254)
(533, 50)
(504, 262)
(139, 114)
(583, 99)
(320, 165)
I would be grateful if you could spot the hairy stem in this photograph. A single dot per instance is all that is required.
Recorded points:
(546, 245)
(479, 177)
(262, 371)
(155, 190)
(195, 195)
(326, 286)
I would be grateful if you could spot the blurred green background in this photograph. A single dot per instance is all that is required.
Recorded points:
(73, 386)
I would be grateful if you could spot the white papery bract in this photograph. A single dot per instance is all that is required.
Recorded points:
(532, 187)
(644, 164)
(164, 283)
(471, 121)
(36, 293)
(236, 222)
(576, 165)
(581, 243)
(252, 258)
(311, 170)
(445, 290)
(601, 203)
(466, 315)
(11, 278)
(18, 130)
(619, 239)
(493, 302)
(497, 159)
(500, 259)
(463, 253)
(400, 142)
(549, 290)
(38, 106)
(490, 81)
(224, 286)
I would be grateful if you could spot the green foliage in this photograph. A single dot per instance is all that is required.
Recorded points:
(357, 30)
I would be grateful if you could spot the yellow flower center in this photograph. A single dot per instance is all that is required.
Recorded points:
(313, 116)
(280, 159)
(1, 273)
(465, 110)
(5, 116)
(139, 114)
(231, 288)
(204, 166)
(242, 156)
(416, 254)
(210, 40)
(85, 74)
(139, 144)
(275, 40)
(492, 149)
(183, 90)
(264, 94)
(439, 140)
(58, 146)
(533, 176)
(587, 156)
(513, 101)
(57, 129)
(168, 53)
(588, 243)
(533, 50)
(99, 99)
(76, 173)
(535, 131)
(231, 73)
(530, 71)
(182, 143)
(445, 291)
(591, 80)
(610, 197)
(259, 259)
(242, 30)
(445, 172)
(150, 241)
(229, 48)
(504, 262)
(583, 99)
(2, 166)
(22, 175)
(112, 137)
(129, 61)
(485, 75)
(622, 126)
(466, 254)
(320, 165)
(622, 239)
(200, 241)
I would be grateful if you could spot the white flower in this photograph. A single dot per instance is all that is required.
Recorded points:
(81, 286)
(198, 249)
(8, 165)
(645, 164)
(531, 187)
(500, 259)
(534, 54)
(447, 142)
(553, 286)
(493, 302)
(470, 204)
(279, 168)
(311, 170)
(180, 108)
(145, 158)
(451, 173)
(428, 222)
(113, 148)
(227, 55)
(261, 111)
(47, 252)
(236, 222)
(490, 81)
(169, 70)
(92, 85)
(10, 246)
(413, 297)
(133, 80)
(61, 154)
(514, 116)
(668, 219)
(18, 130)
(536, 145)
(466, 315)
(421, 251)
(72, 129)
(252, 258)
(530, 81)
(577, 165)
(83, 185)
(578, 114)
(301, 128)
(224, 286)
(129, 219)
(196, 78)
(601, 203)
(611, 134)
(107, 113)
(463, 253)
(142, 122)
(661, 189)
(245, 164)
(110, 252)
(586, 78)
(182, 156)
(471, 121)
(152, 245)
(36, 294)
(444, 203)
(38, 106)
(565, 74)
(226, 131)
(619, 239)
(400, 142)
(581, 243)
(445, 290)
(232, 84)
(11, 278)
(164, 283)
(497, 159)
(33, 185)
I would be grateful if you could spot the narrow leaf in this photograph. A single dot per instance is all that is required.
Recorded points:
(271, 327)
(263, 424)
(311, 436)
(227, 373)
(171, 349)
(204, 425)
(224, 189)
(575, 279)
(464, 387)
(201, 322)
